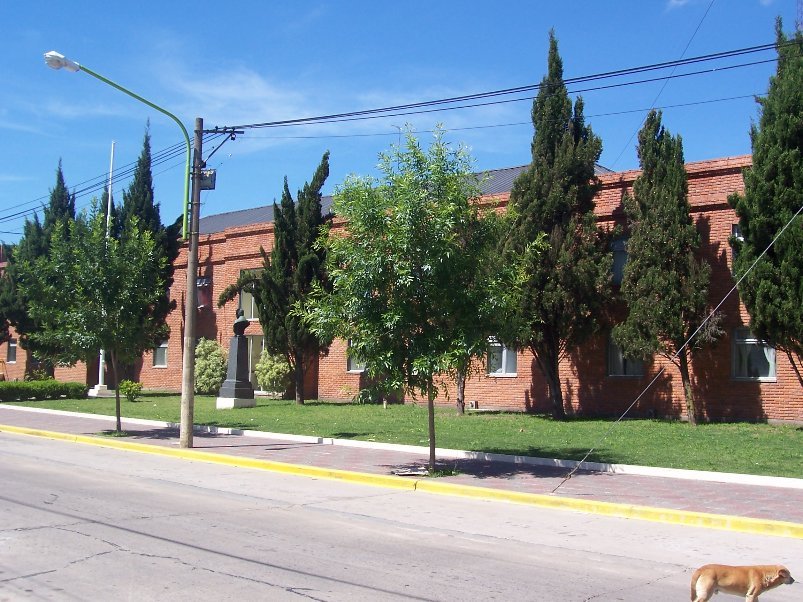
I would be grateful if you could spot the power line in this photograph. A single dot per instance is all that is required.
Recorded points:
(509, 91)
(515, 123)
(98, 183)
(423, 111)
(661, 91)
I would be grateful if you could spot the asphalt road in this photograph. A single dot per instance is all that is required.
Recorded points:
(88, 523)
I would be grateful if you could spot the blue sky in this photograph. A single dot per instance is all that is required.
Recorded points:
(255, 61)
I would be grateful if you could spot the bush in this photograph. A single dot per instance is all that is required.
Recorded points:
(130, 389)
(210, 367)
(41, 389)
(272, 372)
(37, 374)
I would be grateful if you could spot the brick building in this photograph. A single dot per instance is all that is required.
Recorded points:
(738, 378)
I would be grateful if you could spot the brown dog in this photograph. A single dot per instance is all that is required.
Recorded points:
(747, 581)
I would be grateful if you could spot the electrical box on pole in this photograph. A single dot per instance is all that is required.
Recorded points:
(207, 181)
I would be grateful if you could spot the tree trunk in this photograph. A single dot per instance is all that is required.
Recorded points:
(431, 423)
(683, 364)
(795, 366)
(113, 358)
(299, 377)
(550, 369)
(461, 391)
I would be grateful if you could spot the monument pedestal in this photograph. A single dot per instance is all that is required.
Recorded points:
(228, 403)
(236, 391)
(100, 391)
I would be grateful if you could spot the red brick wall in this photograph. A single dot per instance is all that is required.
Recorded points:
(587, 388)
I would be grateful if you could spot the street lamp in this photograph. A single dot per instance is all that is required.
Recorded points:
(56, 60)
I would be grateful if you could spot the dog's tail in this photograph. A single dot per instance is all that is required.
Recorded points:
(694, 578)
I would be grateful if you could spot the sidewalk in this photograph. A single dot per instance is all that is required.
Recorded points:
(757, 508)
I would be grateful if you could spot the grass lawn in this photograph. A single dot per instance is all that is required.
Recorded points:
(738, 447)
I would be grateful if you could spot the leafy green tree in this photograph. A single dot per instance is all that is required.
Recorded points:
(567, 285)
(401, 266)
(35, 242)
(665, 284)
(773, 290)
(89, 293)
(291, 270)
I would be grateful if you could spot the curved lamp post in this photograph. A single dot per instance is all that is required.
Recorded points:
(56, 60)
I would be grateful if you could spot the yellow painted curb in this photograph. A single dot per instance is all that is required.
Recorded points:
(689, 518)
(237, 461)
(663, 515)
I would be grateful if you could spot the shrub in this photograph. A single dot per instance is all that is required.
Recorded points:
(41, 389)
(272, 372)
(130, 389)
(38, 374)
(210, 367)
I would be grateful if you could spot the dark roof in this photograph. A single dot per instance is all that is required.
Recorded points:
(495, 181)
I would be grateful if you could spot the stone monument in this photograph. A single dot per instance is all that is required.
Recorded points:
(236, 391)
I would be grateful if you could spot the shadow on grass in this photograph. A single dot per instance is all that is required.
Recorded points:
(348, 435)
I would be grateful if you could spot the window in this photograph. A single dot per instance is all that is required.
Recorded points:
(204, 289)
(753, 359)
(619, 248)
(353, 364)
(619, 365)
(501, 360)
(160, 355)
(735, 240)
(256, 343)
(11, 358)
(247, 303)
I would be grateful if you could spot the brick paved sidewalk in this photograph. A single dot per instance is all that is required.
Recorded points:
(749, 501)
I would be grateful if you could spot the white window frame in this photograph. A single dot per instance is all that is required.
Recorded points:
(740, 361)
(735, 239)
(254, 356)
(12, 344)
(162, 345)
(619, 250)
(353, 365)
(250, 312)
(630, 368)
(506, 355)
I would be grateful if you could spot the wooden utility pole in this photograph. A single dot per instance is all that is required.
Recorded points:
(191, 297)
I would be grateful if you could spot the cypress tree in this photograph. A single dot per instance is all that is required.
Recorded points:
(773, 290)
(139, 202)
(665, 284)
(138, 199)
(289, 273)
(555, 196)
(61, 207)
(34, 243)
(295, 263)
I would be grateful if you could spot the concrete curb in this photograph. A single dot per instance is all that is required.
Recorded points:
(456, 454)
(663, 515)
